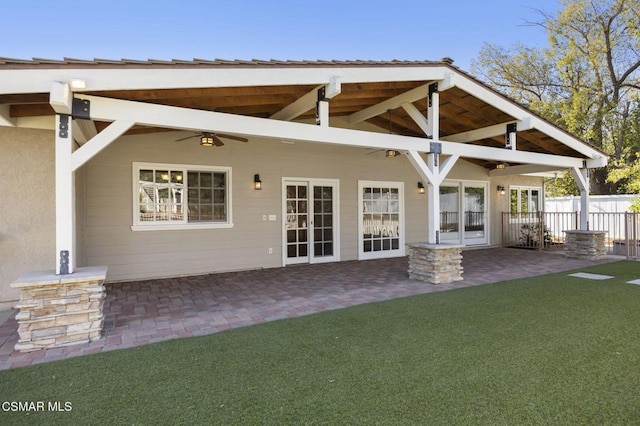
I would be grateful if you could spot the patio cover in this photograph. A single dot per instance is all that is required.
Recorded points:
(432, 112)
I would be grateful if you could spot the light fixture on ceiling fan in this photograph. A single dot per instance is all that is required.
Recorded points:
(208, 139)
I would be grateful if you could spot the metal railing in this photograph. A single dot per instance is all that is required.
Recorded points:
(544, 230)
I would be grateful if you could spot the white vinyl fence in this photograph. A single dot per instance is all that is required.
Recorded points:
(597, 203)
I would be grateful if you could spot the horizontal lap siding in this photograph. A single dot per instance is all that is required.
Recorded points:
(109, 240)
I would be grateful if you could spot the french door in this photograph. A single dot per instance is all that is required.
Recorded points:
(463, 213)
(310, 215)
(381, 219)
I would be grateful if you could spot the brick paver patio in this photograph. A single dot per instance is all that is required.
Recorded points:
(142, 312)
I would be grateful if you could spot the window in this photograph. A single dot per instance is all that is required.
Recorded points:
(169, 196)
(524, 200)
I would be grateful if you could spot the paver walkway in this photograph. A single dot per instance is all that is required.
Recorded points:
(143, 312)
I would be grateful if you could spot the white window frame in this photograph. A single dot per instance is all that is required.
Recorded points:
(139, 225)
(520, 188)
(400, 251)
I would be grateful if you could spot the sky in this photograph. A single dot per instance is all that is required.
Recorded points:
(267, 29)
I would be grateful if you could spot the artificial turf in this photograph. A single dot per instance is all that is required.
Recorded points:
(546, 350)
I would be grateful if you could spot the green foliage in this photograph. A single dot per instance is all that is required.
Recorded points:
(587, 80)
(628, 176)
(561, 186)
(542, 350)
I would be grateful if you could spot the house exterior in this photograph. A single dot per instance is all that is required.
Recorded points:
(152, 168)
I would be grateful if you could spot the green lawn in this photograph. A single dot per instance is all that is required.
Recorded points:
(545, 350)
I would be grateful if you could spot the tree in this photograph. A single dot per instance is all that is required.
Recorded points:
(629, 176)
(587, 80)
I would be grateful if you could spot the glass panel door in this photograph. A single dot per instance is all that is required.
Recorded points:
(323, 232)
(381, 227)
(450, 213)
(475, 214)
(310, 226)
(296, 225)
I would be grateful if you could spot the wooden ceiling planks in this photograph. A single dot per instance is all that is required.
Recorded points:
(459, 111)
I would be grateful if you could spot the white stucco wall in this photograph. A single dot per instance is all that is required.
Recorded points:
(27, 213)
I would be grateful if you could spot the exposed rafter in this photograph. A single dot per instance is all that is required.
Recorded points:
(523, 170)
(308, 101)
(487, 132)
(413, 95)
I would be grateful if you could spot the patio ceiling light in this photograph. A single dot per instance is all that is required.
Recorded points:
(206, 139)
(390, 153)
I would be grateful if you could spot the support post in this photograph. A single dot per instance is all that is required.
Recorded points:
(510, 136)
(433, 200)
(581, 176)
(584, 201)
(433, 112)
(322, 108)
(65, 197)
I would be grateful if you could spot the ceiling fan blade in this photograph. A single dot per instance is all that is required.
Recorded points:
(188, 137)
(217, 141)
(235, 138)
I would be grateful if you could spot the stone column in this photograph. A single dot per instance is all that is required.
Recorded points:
(435, 263)
(60, 310)
(584, 244)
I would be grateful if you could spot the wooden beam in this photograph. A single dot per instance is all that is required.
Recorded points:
(487, 132)
(179, 118)
(65, 193)
(412, 95)
(446, 165)
(60, 98)
(5, 117)
(143, 78)
(299, 107)
(83, 130)
(417, 117)
(581, 177)
(308, 101)
(99, 142)
(522, 170)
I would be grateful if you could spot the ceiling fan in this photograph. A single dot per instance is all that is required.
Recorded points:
(211, 138)
(389, 153)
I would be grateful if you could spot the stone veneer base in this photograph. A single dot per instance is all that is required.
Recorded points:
(435, 263)
(60, 310)
(584, 244)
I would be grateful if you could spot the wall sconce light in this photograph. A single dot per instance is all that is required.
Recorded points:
(501, 190)
(206, 139)
(390, 153)
(257, 183)
(420, 188)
